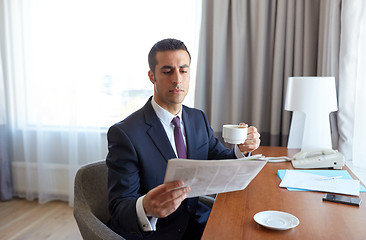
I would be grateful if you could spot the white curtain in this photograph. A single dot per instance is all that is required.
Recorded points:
(6, 190)
(52, 115)
(72, 68)
(352, 82)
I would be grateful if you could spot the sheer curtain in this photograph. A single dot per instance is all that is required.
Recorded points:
(352, 83)
(72, 68)
(54, 116)
(5, 176)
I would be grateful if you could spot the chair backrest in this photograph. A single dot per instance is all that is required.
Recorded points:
(91, 202)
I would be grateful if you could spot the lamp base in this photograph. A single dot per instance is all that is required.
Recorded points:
(309, 132)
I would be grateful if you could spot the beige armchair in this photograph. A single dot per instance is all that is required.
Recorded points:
(91, 202)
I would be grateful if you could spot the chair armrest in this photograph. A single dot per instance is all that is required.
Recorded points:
(96, 229)
(208, 201)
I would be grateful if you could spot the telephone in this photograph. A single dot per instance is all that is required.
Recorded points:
(318, 158)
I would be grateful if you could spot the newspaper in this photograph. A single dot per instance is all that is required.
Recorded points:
(213, 176)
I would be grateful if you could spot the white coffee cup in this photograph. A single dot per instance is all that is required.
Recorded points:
(234, 134)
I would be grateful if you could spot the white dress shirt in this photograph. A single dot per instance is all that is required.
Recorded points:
(149, 224)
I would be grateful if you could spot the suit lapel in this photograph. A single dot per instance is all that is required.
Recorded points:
(190, 140)
(157, 133)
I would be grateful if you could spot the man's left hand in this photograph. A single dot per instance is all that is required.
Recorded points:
(252, 142)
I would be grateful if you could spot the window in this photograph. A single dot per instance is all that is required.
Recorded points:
(86, 61)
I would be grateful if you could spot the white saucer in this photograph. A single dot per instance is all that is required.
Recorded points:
(276, 220)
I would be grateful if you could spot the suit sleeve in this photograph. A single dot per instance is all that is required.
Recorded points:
(216, 148)
(123, 183)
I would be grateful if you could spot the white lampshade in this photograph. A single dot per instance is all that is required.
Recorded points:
(311, 99)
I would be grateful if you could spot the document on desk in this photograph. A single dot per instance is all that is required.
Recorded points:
(213, 176)
(302, 180)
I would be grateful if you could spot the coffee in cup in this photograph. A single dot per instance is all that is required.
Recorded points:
(234, 134)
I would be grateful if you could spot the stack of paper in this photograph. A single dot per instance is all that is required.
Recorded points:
(309, 181)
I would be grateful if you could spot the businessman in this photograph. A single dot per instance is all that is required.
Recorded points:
(141, 205)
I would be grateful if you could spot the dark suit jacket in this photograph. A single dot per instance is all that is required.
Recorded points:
(138, 153)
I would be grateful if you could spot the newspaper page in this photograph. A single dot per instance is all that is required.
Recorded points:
(213, 176)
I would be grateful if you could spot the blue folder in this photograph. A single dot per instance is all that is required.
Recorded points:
(327, 173)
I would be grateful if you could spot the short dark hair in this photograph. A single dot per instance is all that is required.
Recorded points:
(165, 45)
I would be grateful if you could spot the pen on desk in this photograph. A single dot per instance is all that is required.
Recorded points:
(329, 178)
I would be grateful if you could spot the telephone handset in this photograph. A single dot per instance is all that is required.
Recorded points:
(318, 158)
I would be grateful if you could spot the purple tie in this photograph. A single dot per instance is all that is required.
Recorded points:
(178, 138)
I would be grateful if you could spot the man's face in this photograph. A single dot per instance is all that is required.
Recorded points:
(171, 79)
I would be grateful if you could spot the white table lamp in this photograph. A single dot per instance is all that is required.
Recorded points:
(311, 99)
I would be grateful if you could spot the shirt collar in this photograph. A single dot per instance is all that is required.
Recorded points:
(164, 116)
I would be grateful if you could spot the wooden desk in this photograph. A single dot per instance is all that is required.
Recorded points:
(232, 213)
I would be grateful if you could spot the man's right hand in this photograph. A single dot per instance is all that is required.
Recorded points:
(163, 200)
